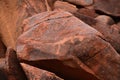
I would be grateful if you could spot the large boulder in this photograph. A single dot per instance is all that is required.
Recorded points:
(59, 42)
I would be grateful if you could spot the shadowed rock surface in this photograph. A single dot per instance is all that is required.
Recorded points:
(34, 73)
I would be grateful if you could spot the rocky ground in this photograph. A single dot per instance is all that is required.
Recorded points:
(60, 40)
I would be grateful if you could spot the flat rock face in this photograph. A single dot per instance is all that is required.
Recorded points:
(34, 73)
(110, 7)
(60, 40)
(50, 32)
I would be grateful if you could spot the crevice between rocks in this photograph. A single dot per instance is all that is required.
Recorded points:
(63, 71)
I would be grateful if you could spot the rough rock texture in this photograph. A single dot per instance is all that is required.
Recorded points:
(67, 43)
(110, 7)
(34, 73)
(37, 6)
(105, 20)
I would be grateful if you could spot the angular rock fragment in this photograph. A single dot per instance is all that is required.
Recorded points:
(34, 73)
(10, 66)
(65, 6)
(59, 42)
(110, 7)
(81, 2)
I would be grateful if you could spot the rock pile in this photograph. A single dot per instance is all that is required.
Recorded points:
(61, 40)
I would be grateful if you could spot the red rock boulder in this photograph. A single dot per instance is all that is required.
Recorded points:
(61, 43)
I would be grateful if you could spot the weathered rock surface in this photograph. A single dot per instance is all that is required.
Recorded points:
(59, 23)
(34, 73)
(110, 7)
(54, 39)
